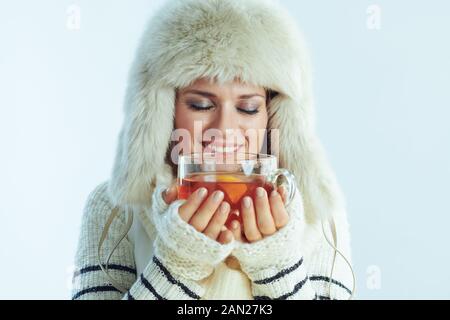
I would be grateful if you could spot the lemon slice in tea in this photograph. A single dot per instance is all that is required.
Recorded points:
(234, 190)
(227, 178)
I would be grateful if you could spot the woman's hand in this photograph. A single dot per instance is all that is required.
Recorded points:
(262, 216)
(208, 218)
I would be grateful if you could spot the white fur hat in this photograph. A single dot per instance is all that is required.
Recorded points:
(254, 40)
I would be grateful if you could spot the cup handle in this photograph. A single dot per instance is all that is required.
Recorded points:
(291, 184)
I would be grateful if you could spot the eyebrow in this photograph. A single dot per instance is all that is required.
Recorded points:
(212, 95)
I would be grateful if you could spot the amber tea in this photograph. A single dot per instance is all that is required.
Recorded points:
(235, 186)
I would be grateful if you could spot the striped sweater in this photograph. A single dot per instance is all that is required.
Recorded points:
(294, 263)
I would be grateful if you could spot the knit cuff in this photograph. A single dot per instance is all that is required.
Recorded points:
(158, 203)
(281, 250)
(183, 249)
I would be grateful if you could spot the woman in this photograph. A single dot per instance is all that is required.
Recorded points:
(226, 64)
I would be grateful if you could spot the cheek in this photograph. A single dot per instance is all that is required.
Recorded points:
(186, 119)
(254, 129)
(258, 121)
(180, 121)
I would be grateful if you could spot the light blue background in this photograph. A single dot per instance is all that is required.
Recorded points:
(383, 115)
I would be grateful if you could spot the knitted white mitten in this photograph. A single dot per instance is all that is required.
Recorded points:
(179, 246)
(268, 256)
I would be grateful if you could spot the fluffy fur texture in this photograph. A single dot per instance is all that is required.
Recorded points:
(254, 40)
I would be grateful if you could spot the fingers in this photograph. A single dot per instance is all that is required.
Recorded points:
(279, 213)
(204, 214)
(236, 229)
(251, 230)
(218, 220)
(209, 217)
(225, 237)
(283, 193)
(187, 209)
(264, 219)
(170, 194)
(260, 218)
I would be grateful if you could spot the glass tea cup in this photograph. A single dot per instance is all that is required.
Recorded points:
(237, 176)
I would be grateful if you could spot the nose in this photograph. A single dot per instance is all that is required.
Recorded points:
(226, 121)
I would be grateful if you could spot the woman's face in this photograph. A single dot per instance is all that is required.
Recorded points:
(223, 119)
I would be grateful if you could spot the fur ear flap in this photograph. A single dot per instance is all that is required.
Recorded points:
(142, 143)
(300, 151)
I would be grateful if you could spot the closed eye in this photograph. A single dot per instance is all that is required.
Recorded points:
(198, 107)
(250, 112)
(203, 108)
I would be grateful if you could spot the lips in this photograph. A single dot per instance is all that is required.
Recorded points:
(209, 147)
